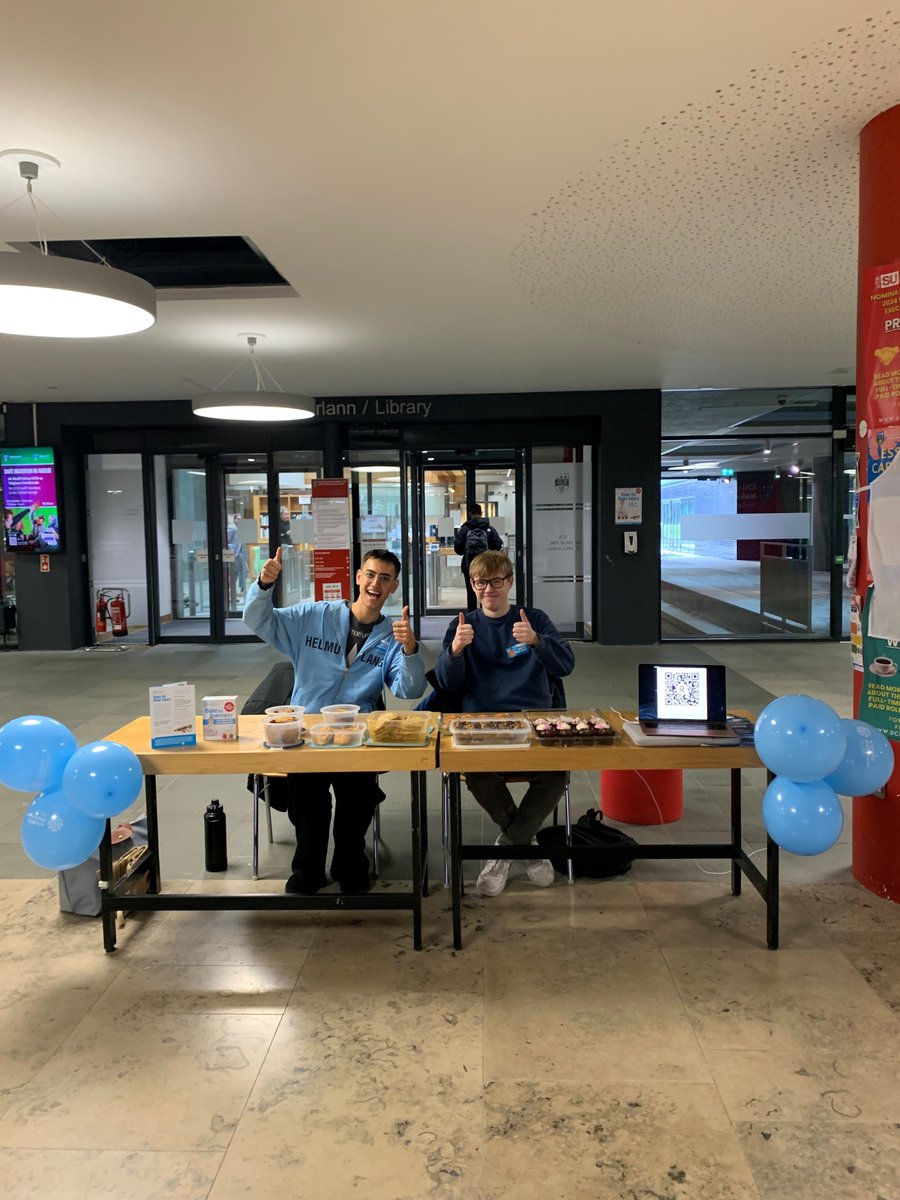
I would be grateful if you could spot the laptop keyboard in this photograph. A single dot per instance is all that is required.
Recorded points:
(685, 727)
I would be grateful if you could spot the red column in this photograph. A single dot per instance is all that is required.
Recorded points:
(876, 822)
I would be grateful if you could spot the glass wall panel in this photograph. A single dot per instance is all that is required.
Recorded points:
(746, 542)
(117, 555)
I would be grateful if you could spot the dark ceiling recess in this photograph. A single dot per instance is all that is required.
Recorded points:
(206, 262)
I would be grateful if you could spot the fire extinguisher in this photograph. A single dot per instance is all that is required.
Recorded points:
(102, 613)
(117, 615)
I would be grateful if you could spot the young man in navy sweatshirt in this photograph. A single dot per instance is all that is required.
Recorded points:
(483, 657)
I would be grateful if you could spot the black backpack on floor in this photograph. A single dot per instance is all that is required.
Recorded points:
(589, 830)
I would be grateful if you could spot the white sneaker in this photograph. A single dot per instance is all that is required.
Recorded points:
(494, 875)
(540, 870)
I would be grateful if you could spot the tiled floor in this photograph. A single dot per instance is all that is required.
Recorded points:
(630, 1039)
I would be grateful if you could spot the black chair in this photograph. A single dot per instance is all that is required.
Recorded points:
(276, 688)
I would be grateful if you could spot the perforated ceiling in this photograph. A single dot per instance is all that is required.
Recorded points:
(758, 177)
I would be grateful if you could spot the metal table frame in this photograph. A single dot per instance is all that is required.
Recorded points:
(621, 755)
(248, 757)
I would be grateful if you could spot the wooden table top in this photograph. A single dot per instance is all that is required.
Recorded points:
(248, 754)
(619, 754)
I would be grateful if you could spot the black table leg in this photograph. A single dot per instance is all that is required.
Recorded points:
(736, 830)
(423, 825)
(416, 822)
(772, 884)
(153, 880)
(107, 912)
(455, 862)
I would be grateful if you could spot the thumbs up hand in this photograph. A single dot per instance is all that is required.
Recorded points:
(523, 631)
(462, 638)
(271, 568)
(403, 632)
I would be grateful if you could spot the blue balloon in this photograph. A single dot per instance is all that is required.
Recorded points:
(57, 836)
(102, 779)
(805, 818)
(800, 738)
(868, 762)
(33, 753)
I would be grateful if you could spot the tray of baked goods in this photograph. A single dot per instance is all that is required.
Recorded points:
(400, 728)
(490, 732)
(582, 727)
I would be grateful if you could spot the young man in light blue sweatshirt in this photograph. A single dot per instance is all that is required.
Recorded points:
(506, 660)
(342, 654)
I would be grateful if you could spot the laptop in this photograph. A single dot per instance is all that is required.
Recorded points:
(683, 701)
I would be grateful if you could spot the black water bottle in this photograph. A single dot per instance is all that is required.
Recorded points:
(215, 837)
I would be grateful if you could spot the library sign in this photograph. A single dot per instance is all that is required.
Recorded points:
(373, 407)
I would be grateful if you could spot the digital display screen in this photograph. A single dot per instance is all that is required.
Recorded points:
(30, 507)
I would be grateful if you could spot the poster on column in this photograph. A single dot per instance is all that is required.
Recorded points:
(879, 365)
(331, 539)
(879, 703)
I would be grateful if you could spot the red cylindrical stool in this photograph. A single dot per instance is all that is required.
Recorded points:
(642, 797)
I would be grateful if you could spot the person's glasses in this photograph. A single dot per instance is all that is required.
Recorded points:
(494, 584)
(370, 575)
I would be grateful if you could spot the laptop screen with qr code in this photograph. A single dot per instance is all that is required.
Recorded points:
(681, 692)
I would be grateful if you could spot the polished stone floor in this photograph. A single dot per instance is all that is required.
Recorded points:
(623, 1039)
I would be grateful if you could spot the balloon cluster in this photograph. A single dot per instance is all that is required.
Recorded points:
(814, 754)
(79, 789)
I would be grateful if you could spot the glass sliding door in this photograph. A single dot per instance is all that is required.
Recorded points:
(560, 543)
(443, 501)
(375, 481)
(291, 527)
(244, 495)
(185, 600)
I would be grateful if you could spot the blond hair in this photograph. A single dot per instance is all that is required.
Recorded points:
(490, 564)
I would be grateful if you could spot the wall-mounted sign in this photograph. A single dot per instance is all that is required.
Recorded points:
(629, 506)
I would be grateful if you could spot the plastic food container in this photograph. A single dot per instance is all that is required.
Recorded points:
(340, 714)
(336, 737)
(490, 733)
(582, 728)
(399, 728)
(294, 710)
(282, 729)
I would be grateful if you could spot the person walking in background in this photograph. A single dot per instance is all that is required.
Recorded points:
(348, 653)
(474, 536)
(234, 543)
(503, 659)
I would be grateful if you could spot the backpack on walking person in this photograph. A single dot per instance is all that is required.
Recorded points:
(476, 543)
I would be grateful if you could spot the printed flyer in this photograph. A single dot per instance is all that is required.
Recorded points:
(879, 703)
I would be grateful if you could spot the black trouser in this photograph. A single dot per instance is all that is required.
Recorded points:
(309, 809)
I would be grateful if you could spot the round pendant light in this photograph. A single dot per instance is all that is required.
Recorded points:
(42, 295)
(259, 405)
(254, 406)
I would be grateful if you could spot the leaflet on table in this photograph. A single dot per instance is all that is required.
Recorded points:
(220, 718)
(172, 709)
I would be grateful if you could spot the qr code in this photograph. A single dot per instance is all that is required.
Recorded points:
(681, 689)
